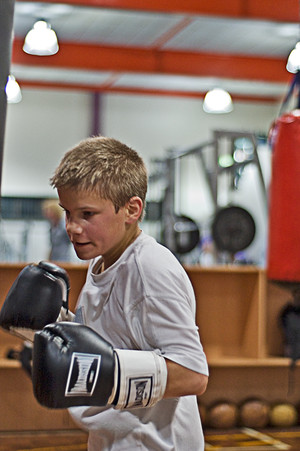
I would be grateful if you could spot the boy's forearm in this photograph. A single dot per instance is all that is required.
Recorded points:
(183, 381)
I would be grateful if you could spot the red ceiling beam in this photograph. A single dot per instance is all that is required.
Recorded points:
(225, 66)
(132, 59)
(279, 10)
(104, 88)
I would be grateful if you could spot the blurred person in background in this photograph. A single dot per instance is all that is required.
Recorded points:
(59, 241)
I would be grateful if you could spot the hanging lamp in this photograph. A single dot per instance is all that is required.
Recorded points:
(41, 40)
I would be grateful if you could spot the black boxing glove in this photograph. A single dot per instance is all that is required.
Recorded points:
(38, 296)
(74, 366)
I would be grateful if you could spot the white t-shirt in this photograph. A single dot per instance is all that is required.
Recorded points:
(144, 301)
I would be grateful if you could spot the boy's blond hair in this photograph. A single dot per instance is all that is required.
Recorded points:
(103, 166)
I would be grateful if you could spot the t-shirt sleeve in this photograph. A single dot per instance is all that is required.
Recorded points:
(166, 318)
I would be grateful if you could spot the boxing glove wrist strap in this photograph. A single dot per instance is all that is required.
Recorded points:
(23, 333)
(140, 379)
(65, 315)
(28, 334)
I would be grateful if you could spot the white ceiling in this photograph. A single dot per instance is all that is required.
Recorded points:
(170, 52)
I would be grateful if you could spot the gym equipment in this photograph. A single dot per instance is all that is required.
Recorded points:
(283, 264)
(289, 320)
(222, 415)
(6, 29)
(202, 412)
(72, 365)
(233, 229)
(24, 356)
(254, 413)
(283, 414)
(185, 234)
(38, 296)
(180, 233)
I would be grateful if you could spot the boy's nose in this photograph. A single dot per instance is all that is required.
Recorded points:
(73, 227)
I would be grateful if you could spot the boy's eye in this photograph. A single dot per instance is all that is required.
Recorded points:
(87, 214)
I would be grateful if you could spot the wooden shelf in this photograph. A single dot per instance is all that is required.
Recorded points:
(237, 315)
(231, 310)
(280, 362)
(19, 409)
(9, 363)
(229, 268)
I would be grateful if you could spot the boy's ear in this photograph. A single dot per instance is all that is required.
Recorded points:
(134, 209)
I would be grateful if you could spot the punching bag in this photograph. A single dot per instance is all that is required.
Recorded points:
(283, 259)
(6, 33)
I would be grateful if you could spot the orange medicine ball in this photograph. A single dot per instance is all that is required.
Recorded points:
(222, 415)
(254, 413)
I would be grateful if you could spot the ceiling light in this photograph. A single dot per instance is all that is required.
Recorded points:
(13, 91)
(41, 40)
(293, 62)
(217, 101)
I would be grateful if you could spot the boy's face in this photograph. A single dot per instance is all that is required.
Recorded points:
(94, 227)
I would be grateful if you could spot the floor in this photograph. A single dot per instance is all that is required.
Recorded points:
(216, 440)
(253, 440)
(43, 441)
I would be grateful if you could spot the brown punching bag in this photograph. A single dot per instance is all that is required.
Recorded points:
(283, 260)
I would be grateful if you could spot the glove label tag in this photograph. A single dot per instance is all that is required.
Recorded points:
(83, 374)
(139, 392)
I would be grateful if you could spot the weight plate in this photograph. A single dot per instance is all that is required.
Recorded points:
(233, 229)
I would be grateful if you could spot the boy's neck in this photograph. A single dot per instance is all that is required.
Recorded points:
(109, 260)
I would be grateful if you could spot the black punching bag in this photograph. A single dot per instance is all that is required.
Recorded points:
(6, 30)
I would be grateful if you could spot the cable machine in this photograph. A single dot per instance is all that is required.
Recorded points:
(223, 161)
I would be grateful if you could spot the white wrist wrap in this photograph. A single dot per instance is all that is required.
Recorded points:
(142, 378)
(65, 315)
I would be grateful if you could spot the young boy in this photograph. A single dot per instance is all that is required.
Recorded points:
(137, 296)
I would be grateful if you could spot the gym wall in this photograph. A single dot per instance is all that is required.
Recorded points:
(46, 123)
